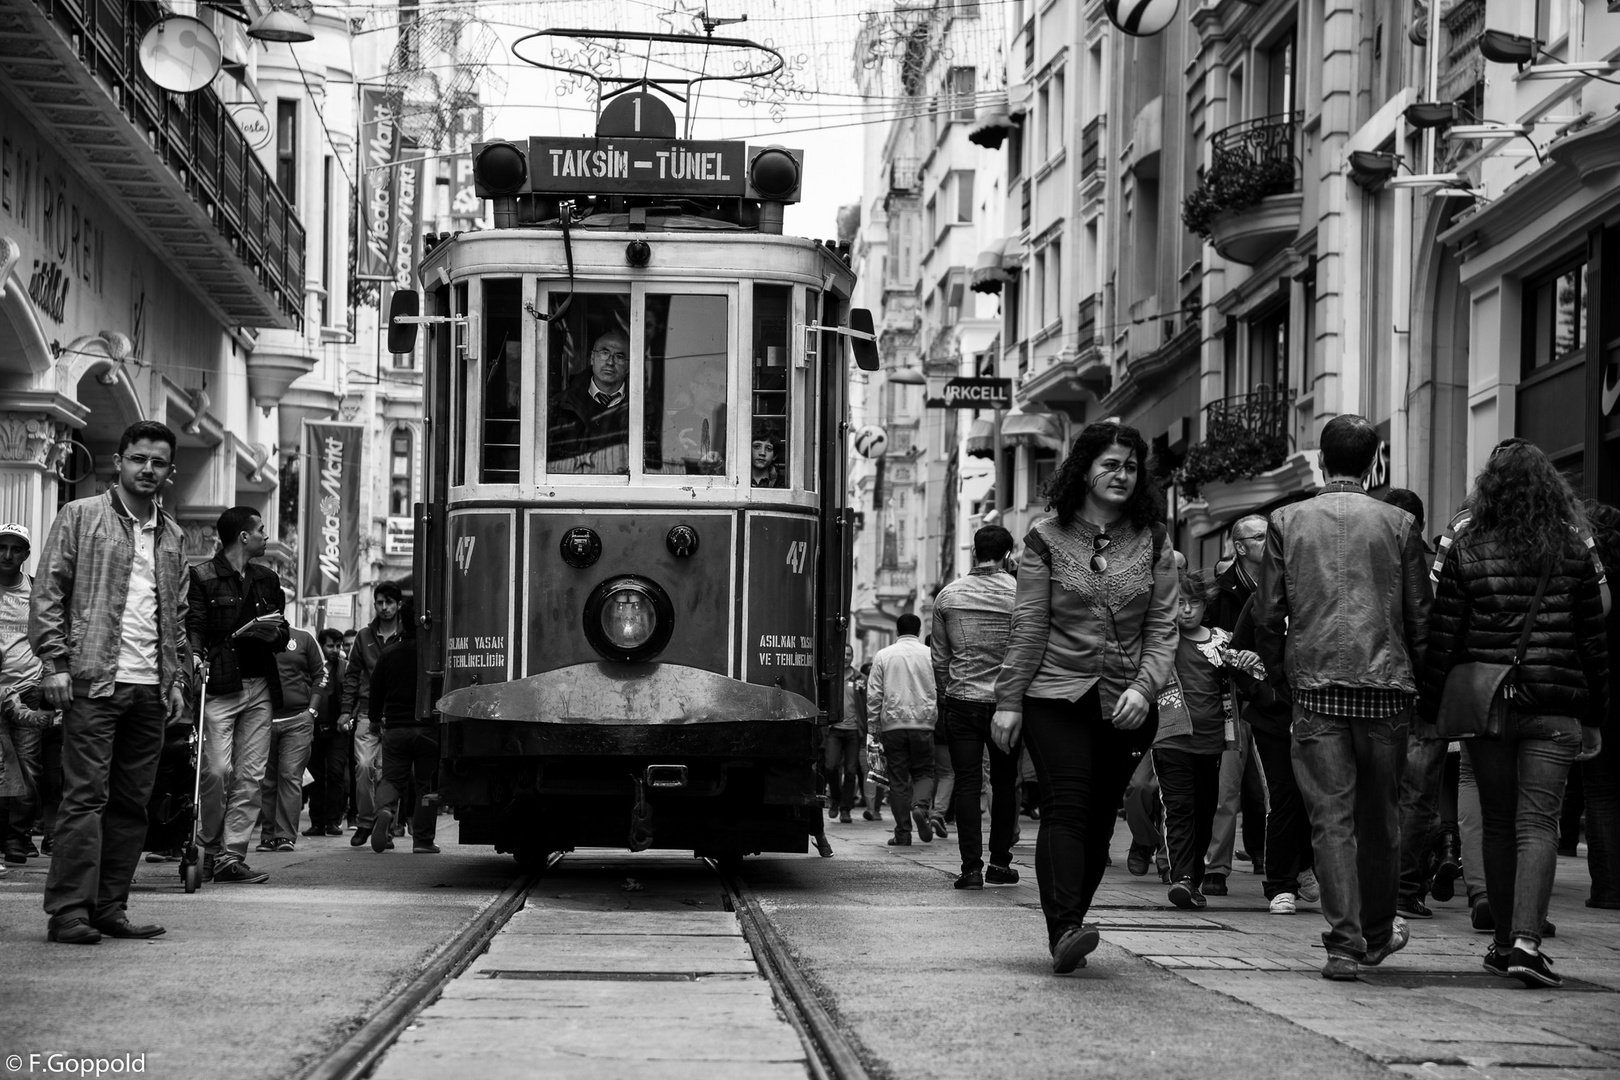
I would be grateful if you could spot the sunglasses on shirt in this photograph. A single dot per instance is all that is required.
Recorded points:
(1099, 562)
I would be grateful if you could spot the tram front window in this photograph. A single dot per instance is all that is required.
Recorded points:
(588, 426)
(686, 348)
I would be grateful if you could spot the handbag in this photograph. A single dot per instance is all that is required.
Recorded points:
(1477, 696)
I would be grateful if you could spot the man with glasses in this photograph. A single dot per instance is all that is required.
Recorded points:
(589, 427)
(107, 620)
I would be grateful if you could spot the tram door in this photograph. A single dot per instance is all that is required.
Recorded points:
(428, 557)
(836, 551)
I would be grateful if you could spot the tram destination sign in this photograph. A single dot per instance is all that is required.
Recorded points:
(631, 166)
(965, 392)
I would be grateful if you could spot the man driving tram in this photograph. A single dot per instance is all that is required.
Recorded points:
(589, 430)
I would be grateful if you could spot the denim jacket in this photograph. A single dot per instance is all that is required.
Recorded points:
(76, 615)
(1344, 596)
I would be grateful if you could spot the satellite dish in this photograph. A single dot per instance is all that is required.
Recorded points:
(180, 54)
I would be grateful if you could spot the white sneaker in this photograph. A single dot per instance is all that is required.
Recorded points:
(1309, 890)
(1282, 904)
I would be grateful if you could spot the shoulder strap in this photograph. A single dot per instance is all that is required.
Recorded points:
(1530, 616)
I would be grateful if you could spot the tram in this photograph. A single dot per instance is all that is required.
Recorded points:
(632, 567)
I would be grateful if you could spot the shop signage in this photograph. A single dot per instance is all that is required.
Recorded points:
(254, 123)
(399, 537)
(329, 519)
(965, 392)
(379, 148)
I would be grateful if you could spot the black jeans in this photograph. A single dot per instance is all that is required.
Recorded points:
(841, 765)
(910, 754)
(967, 724)
(1288, 829)
(1189, 785)
(411, 753)
(1601, 781)
(1082, 763)
(110, 749)
(328, 765)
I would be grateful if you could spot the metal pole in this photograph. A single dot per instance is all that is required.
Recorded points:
(995, 445)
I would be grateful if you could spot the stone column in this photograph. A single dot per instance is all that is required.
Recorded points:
(28, 443)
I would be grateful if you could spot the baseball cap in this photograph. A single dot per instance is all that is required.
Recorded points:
(19, 531)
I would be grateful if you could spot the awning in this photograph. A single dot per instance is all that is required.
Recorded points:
(1032, 429)
(981, 440)
(990, 270)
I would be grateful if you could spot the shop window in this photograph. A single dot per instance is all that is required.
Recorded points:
(399, 473)
(1555, 316)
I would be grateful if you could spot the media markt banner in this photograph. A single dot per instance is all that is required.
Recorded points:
(379, 148)
(329, 517)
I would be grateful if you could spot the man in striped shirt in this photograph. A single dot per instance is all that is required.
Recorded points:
(972, 623)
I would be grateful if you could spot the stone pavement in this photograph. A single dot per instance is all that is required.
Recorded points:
(1431, 1010)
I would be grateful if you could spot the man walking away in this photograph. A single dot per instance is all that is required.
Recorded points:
(900, 695)
(329, 754)
(841, 764)
(1344, 579)
(304, 689)
(972, 622)
(368, 646)
(107, 620)
(235, 619)
(410, 749)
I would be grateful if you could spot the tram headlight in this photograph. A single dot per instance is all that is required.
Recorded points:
(629, 618)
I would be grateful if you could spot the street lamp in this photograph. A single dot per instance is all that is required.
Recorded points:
(279, 24)
(907, 376)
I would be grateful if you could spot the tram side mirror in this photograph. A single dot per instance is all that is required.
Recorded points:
(866, 350)
(402, 336)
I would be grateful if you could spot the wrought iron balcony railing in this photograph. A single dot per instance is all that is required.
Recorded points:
(1250, 161)
(1244, 435)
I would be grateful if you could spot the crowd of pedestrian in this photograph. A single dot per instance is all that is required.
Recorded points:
(117, 655)
(1383, 719)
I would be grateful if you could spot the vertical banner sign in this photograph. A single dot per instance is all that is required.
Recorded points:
(329, 519)
(379, 147)
(407, 197)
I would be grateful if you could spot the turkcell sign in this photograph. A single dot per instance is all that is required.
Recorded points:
(965, 392)
(638, 166)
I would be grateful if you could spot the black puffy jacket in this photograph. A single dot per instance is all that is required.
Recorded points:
(1479, 613)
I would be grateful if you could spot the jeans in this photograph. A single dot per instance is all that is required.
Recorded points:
(281, 792)
(968, 724)
(841, 765)
(1189, 785)
(1471, 827)
(1242, 788)
(1602, 778)
(367, 770)
(910, 754)
(944, 776)
(1082, 763)
(1288, 827)
(1349, 771)
(18, 812)
(110, 749)
(329, 766)
(1144, 811)
(411, 753)
(1521, 780)
(1420, 811)
(236, 748)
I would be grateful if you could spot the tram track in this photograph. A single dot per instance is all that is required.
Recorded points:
(829, 1054)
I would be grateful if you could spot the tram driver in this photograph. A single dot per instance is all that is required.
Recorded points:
(589, 427)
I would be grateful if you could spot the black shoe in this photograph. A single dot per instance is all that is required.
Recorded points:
(1139, 859)
(47, 844)
(899, 841)
(1481, 917)
(1072, 948)
(1000, 875)
(824, 846)
(832, 811)
(1532, 969)
(73, 932)
(361, 835)
(1183, 895)
(1496, 960)
(121, 927)
(1444, 885)
(30, 850)
(939, 827)
(265, 845)
(429, 848)
(237, 872)
(970, 879)
(1548, 929)
(381, 840)
(843, 818)
(16, 857)
(207, 868)
(318, 830)
(925, 828)
(330, 830)
(872, 815)
(1214, 885)
(1413, 908)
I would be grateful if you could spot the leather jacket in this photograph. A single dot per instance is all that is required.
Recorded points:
(220, 602)
(1344, 594)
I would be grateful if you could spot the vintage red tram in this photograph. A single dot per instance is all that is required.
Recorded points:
(632, 573)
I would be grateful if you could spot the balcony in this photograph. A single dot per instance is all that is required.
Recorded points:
(903, 176)
(175, 166)
(1244, 436)
(1248, 203)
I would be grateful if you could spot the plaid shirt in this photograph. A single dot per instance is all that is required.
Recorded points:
(1358, 703)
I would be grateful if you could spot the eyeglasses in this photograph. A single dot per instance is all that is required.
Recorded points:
(1256, 538)
(1099, 543)
(611, 354)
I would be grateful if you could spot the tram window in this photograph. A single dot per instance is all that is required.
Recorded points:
(686, 353)
(458, 409)
(809, 392)
(588, 385)
(503, 380)
(773, 315)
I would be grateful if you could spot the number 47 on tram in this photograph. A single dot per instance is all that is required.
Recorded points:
(633, 556)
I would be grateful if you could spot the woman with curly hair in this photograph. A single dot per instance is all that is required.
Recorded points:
(1523, 538)
(1093, 643)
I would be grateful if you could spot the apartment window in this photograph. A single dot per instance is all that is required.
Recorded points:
(962, 82)
(1015, 153)
(931, 220)
(399, 470)
(964, 195)
(1010, 308)
(1056, 132)
(1043, 110)
(287, 149)
(1268, 350)
(953, 301)
(1552, 20)
(1052, 297)
(1555, 316)
(328, 201)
